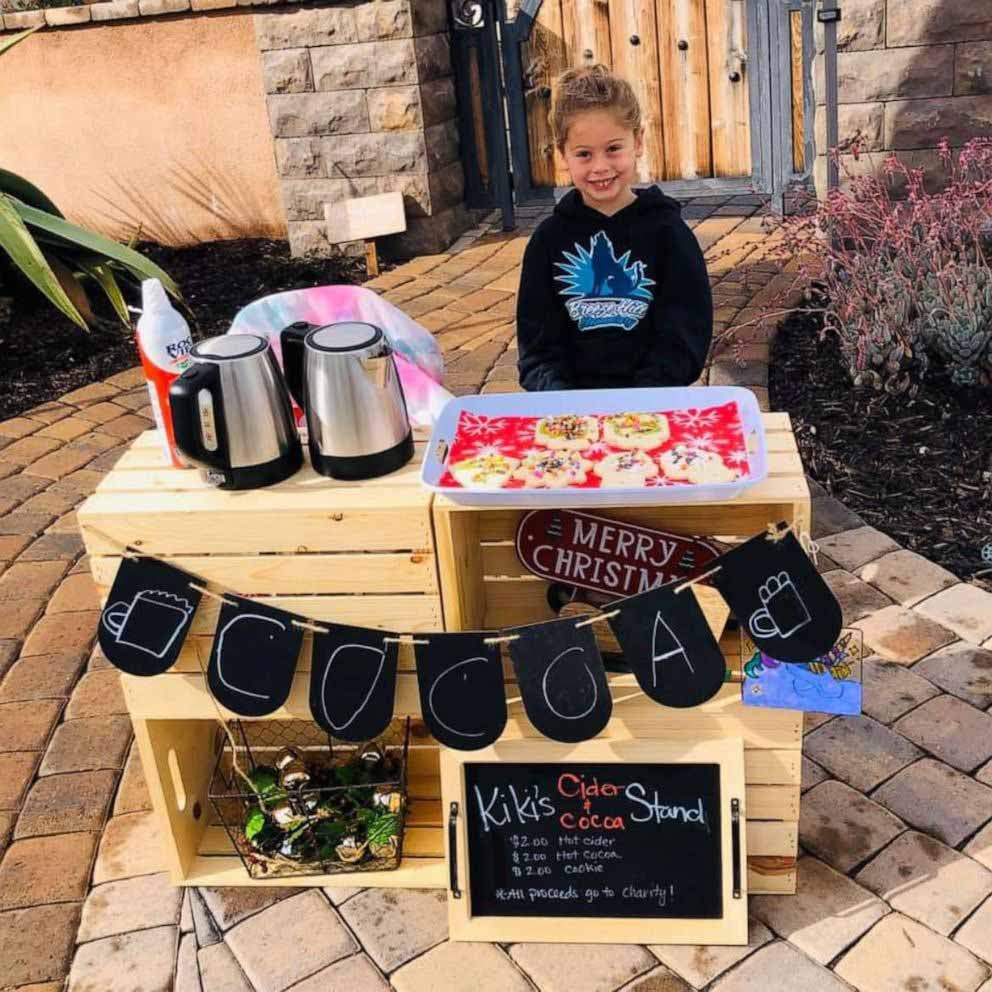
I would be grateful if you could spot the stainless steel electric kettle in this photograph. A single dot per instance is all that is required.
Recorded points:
(344, 376)
(232, 416)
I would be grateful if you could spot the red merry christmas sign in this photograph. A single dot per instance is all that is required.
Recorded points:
(611, 556)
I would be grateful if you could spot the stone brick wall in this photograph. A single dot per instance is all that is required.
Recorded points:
(361, 100)
(909, 72)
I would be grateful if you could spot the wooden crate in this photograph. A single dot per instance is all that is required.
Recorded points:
(483, 585)
(365, 553)
(358, 553)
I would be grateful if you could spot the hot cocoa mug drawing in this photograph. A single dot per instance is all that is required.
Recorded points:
(151, 622)
(783, 611)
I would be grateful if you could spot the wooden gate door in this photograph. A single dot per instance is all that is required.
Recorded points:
(687, 61)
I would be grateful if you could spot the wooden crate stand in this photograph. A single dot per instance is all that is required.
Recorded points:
(359, 553)
(365, 553)
(483, 585)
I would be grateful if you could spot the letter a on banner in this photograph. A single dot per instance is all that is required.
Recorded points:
(253, 658)
(562, 679)
(147, 617)
(353, 681)
(461, 689)
(669, 646)
(779, 597)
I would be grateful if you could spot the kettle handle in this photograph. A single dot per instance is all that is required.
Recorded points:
(188, 420)
(292, 339)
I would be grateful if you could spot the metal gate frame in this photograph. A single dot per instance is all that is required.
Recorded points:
(482, 24)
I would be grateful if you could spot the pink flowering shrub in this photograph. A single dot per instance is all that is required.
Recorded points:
(904, 284)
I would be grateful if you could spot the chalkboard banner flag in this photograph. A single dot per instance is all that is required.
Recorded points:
(461, 689)
(562, 679)
(670, 647)
(253, 658)
(776, 592)
(353, 681)
(148, 613)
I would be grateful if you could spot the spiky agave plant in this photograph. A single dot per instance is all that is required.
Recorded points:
(60, 258)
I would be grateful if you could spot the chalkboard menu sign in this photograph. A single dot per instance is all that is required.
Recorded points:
(604, 840)
(579, 839)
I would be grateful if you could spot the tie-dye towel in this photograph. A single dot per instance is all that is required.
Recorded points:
(418, 356)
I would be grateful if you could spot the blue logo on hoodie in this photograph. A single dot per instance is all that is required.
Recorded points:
(603, 290)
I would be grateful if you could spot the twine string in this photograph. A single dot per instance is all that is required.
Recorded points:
(596, 619)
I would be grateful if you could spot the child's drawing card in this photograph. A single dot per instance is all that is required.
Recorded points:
(830, 684)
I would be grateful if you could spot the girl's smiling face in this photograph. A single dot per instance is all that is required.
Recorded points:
(601, 155)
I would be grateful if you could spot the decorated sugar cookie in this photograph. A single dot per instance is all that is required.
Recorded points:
(696, 465)
(626, 468)
(636, 431)
(553, 470)
(568, 432)
(484, 471)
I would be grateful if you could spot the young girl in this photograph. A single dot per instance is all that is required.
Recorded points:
(614, 290)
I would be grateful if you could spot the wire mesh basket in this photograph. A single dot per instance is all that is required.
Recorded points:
(296, 801)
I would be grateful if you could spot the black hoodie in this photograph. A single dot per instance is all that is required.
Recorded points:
(610, 302)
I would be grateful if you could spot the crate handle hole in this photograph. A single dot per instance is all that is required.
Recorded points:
(177, 780)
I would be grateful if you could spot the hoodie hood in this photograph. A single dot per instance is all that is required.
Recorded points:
(649, 199)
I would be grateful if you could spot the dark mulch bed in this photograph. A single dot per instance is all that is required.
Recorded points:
(44, 355)
(920, 470)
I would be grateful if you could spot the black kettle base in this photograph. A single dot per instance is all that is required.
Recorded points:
(364, 466)
(257, 476)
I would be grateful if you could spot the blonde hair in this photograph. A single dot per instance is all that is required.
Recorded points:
(592, 87)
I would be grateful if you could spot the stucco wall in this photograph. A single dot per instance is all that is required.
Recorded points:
(159, 123)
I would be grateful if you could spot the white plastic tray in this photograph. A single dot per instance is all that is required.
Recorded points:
(596, 401)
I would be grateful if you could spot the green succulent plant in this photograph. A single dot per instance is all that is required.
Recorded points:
(957, 320)
(62, 259)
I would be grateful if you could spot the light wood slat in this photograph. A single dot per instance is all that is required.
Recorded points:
(684, 89)
(252, 575)
(772, 802)
(796, 72)
(638, 64)
(773, 767)
(410, 613)
(150, 440)
(151, 480)
(406, 613)
(166, 525)
(545, 49)
(771, 838)
(141, 459)
(744, 518)
(761, 766)
(729, 102)
(425, 786)
(184, 697)
(771, 876)
(777, 442)
(427, 812)
(511, 601)
(586, 27)
(413, 873)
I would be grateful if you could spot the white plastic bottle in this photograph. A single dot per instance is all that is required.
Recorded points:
(164, 343)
